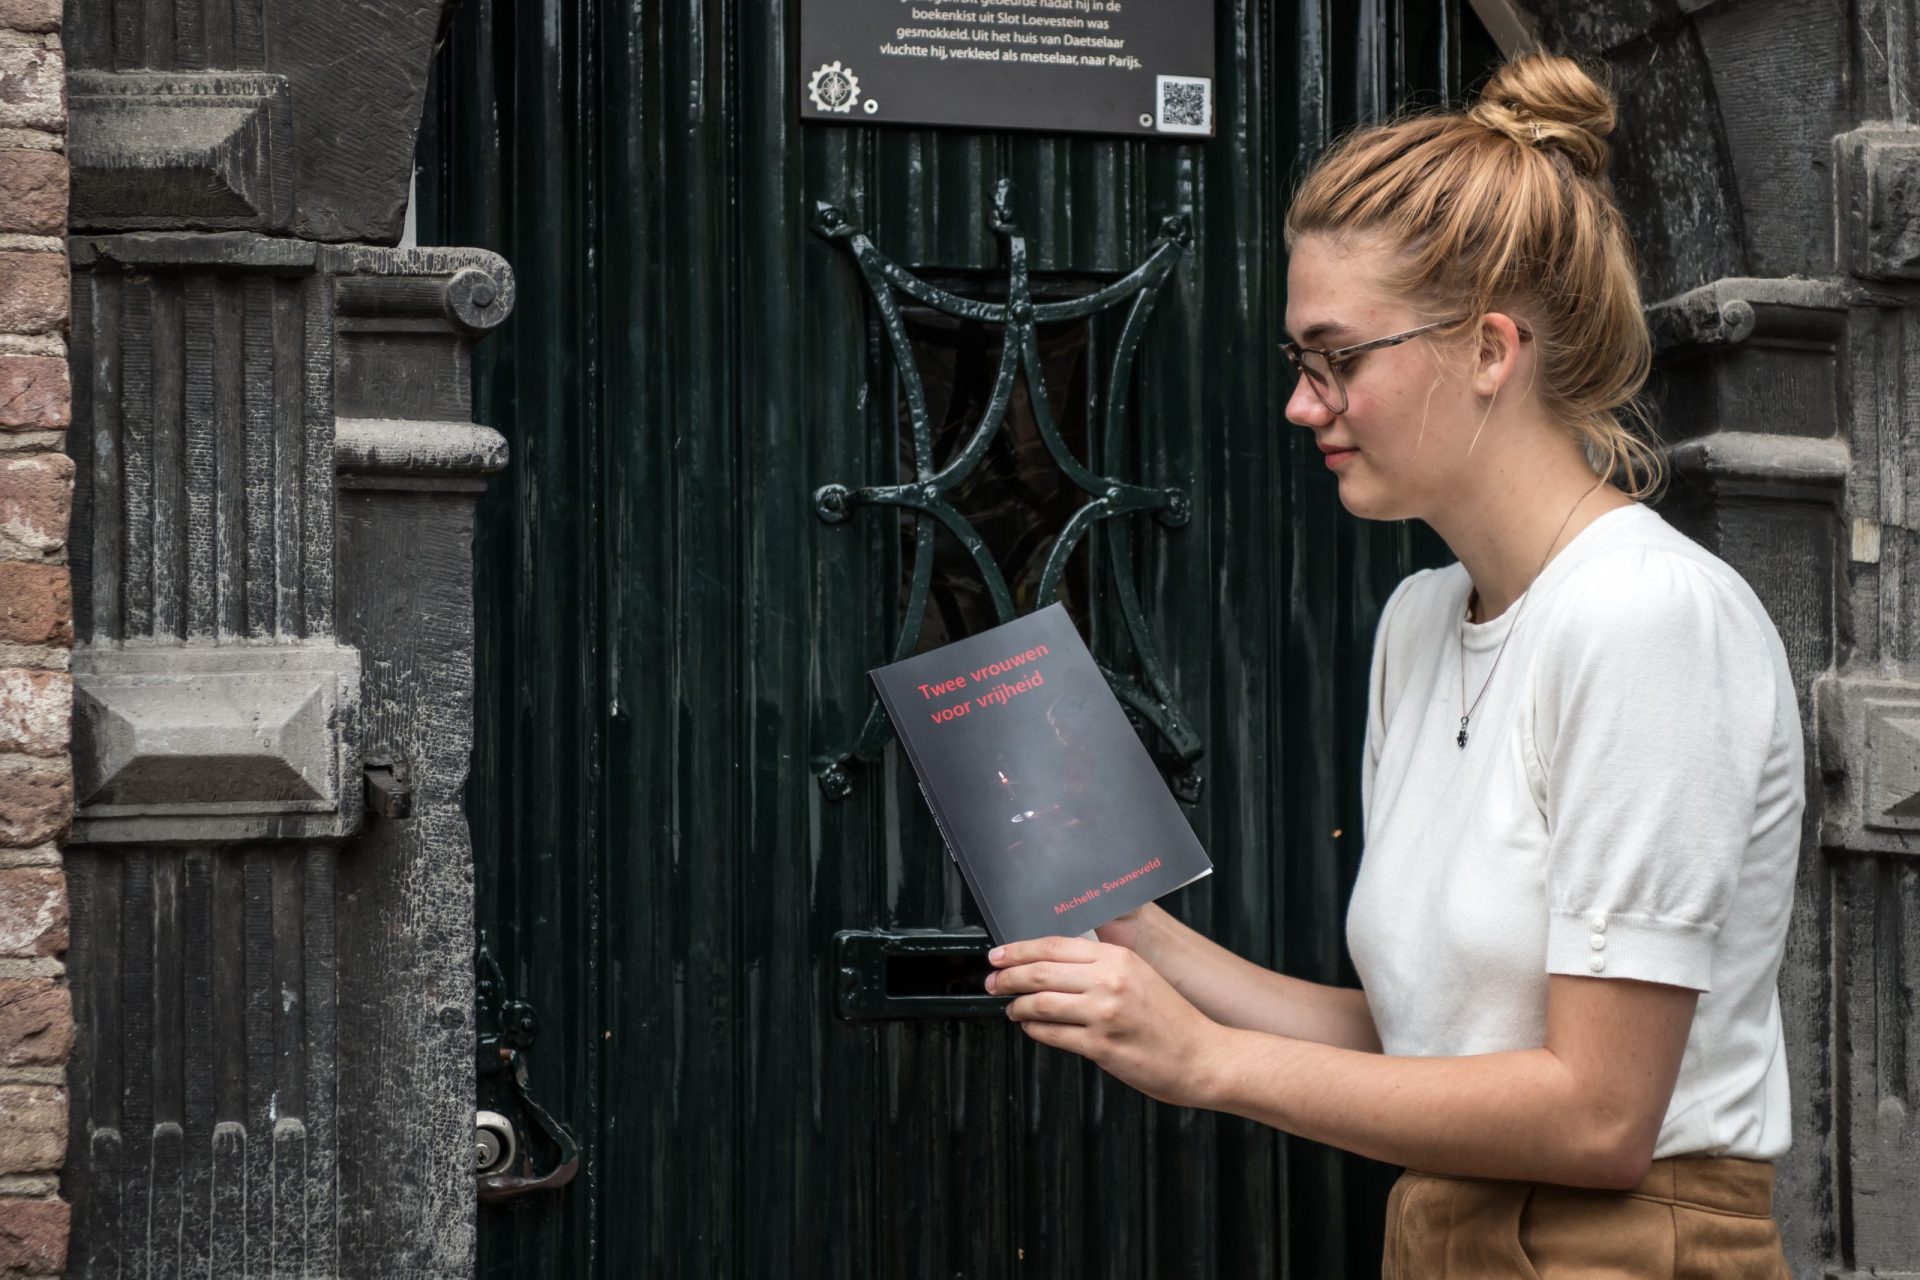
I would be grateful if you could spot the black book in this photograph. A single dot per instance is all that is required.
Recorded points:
(1048, 800)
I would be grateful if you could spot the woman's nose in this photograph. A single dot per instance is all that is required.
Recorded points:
(1304, 408)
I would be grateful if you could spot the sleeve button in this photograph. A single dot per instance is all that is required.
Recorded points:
(1598, 924)
(1596, 963)
(1598, 942)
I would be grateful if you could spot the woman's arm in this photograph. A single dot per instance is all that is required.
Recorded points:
(1585, 1109)
(1242, 994)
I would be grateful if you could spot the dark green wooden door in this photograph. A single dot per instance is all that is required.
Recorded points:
(672, 641)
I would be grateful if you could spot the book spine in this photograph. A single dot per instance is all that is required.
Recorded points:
(954, 851)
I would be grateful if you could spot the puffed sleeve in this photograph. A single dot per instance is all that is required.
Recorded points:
(1655, 699)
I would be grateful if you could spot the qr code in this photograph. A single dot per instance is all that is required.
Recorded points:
(1186, 104)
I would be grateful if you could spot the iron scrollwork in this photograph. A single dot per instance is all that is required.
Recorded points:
(1145, 695)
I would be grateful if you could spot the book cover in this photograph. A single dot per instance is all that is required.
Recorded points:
(1047, 798)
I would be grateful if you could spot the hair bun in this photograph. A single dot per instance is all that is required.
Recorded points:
(1546, 101)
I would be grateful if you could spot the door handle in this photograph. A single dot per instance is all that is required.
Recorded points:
(505, 1030)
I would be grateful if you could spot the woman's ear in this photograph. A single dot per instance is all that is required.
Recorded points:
(1498, 352)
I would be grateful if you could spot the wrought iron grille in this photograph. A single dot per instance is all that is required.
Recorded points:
(1143, 690)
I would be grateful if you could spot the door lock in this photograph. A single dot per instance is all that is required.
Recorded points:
(493, 1144)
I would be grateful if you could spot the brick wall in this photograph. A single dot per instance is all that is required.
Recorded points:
(36, 632)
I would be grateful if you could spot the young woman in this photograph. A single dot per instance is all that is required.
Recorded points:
(1583, 779)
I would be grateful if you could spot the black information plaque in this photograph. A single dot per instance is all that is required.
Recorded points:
(1143, 68)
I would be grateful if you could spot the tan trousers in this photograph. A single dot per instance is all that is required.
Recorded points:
(1688, 1219)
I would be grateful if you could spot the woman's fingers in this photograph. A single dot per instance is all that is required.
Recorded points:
(1059, 1035)
(1049, 1006)
(1068, 950)
(1042, 975)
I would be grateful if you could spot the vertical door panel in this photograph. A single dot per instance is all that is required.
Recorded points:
(671, 645)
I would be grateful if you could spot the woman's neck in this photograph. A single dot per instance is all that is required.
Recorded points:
(1502, 534)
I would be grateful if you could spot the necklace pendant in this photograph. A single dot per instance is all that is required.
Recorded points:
(1462, 739)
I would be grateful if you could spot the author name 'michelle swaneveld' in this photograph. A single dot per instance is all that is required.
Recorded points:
(1106, 886)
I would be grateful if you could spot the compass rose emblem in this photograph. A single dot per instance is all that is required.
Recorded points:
(834, 88)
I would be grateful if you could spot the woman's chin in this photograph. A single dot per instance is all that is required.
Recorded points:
(1357, 497)
(1364, 501)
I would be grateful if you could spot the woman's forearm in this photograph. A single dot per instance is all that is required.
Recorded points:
(1585, 1108)
(1519, 1114)
(1239, 993)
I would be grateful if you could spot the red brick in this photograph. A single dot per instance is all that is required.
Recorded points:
(36, 497)
(33, 83)
(35, 391)
(33, 1236)
(33, 189)
(36, 1023)
(33, 911)
(36, 711)
(30, 15)
(33, 290)
(36, 603)
(33, 1127)
(36, 805)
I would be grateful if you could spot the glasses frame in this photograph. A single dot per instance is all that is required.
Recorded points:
(1337, 356)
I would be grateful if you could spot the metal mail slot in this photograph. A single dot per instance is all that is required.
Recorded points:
(914, 975)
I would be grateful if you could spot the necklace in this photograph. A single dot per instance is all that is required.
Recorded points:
(1466, 712)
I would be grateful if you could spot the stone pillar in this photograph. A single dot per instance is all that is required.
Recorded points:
(1768, 160)
(36, 635)
(274, 471)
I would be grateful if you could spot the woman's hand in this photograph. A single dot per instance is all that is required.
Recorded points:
(1105, 1003)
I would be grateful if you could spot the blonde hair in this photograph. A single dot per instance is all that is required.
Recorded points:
(1506, 206)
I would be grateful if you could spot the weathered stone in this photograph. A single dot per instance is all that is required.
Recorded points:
(151, 149)
(36, 392)
(30, 15)
(36, 711)
(36, 1022)
(36, 804)
(33, 191)
(1879, 173)
(33, 291)
(33, 1127)
(36, 604)
(33, 1236)
(36, 498)
(215, 742)
(33, 82)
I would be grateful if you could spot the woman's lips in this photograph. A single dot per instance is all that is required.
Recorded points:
(1337, 458)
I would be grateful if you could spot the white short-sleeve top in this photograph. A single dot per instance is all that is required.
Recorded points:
(1628, 805)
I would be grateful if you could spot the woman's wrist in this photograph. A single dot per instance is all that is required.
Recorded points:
(1218, 1068)
(1152, 933)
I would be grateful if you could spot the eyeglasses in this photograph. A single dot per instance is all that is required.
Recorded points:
(1320, 366)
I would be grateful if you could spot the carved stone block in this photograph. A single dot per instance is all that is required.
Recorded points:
(1869, 736)
(1891, 784)
(150, 150)
(216, 743)
(1879, 171)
